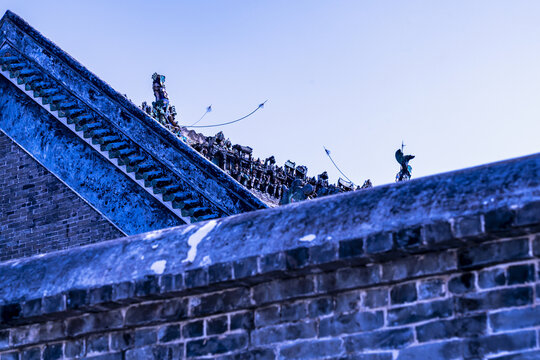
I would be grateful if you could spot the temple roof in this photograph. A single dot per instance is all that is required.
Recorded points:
(77, 109)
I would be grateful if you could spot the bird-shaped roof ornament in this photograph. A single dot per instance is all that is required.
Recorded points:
(404, 173)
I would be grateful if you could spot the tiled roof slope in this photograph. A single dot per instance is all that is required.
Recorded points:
(187, 184)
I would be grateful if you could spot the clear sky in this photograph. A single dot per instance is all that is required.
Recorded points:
(457, 81)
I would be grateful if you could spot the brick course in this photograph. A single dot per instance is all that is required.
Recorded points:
(38, 213)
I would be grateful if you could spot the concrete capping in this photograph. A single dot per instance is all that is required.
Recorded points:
(440, 219)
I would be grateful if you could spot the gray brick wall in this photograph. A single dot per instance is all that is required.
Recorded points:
(412, 271)
(487, 306)
(38, 213)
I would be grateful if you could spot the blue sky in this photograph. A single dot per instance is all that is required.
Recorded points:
(458, 81)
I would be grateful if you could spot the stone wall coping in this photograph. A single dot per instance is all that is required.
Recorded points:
(382, 224)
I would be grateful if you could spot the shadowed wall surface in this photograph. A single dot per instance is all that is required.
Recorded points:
(39, 213)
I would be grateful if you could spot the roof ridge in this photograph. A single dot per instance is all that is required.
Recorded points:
(242, 194)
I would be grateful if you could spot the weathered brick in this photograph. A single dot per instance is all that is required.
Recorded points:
(168, 351)
(520, 274)
(351, 248)
(528, 214)
(348, 278)
(446, 329)
(74, 348)
(515, 319)
(293, 312)
(31, 354)
(408, 238)
(461, 283)
(495, 299)
(499, 220)
(496, 252)
(220, 272)
(272, 262)
(52, 304)
(372, 356)
(431, 288)
(147, 287)
(438, 350)
(350, 323)
(439, 232)
(76, 299)
(193, 329)
(51, 330)
(53, 352)
(311, 349)
(379, 243)
(217, 325)
(297, 258)
(123, 292)
(216, 345)
(419, 312)
(140, 353)
(12, 355)
(374, 298)
(252, 354)
(522, 355)
(536, 246)
(170, 310)
(468, 226)
(31, 308)
(242, 321)
(102, 295)
(169, 333)
(94, 322)
(196, 278)
(225, 301)
(109, 356)
(122, 340)
(4, 340)
(348, 301)
(170, 283)
(245, 267)
(419, 265)
(282, 289)
(499, 343)
(25, 335)
(403, 293)
(166, 283)
(320, 306)
(324, 253)
(280, 333)
(269, 315)
(142, 337)
(491, 278)
(377, 340)
(97, 344)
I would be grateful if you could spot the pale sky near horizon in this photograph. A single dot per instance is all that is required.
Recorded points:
(458, 82)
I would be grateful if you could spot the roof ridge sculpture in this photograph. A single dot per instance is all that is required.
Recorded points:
(272, 183)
